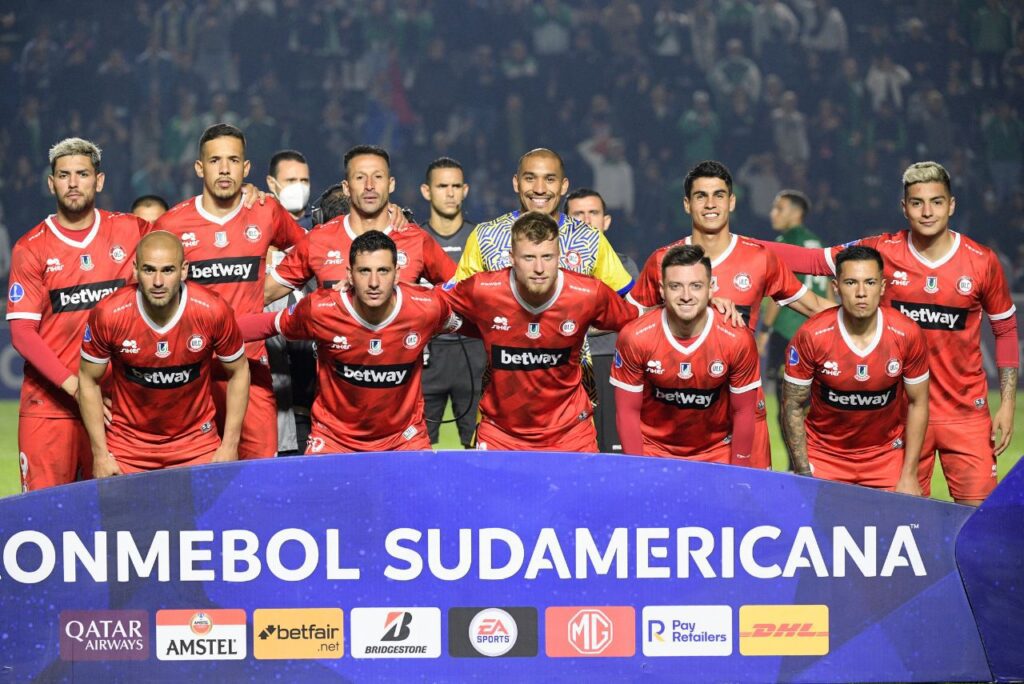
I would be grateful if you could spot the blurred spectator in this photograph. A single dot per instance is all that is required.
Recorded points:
(758, 176)
(622, 20)
(991, 37)
(209, 30)
(699, 129)
(613, 174)
(552, 28)
(262, 132)
(885, 82)
(519, 68)
(887, 135)
(734, 19)
(774, 32)
(181, 133)
(1004, 147)
(219, 112)
(735, 71)
(1013, 69)
(849, 92)
(789, 131)
(824, 31)
(742, 130)
(703, 34)
(935, 131)
(41, 62)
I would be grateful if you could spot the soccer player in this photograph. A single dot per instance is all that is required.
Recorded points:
(369, 184)
(944, 280)
(370, 340)
(855, 363)
(743, 270)
(59, 271)
(454, 364)
(533, 318)
(226, 245)
(288, 179)
(160, 336)
(686, 381)
(149, 207)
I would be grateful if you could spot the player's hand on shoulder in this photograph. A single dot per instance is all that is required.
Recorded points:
(397, 218)
(252, 195)
(727, 308)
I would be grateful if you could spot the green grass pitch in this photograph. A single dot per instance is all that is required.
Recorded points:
(449, 439)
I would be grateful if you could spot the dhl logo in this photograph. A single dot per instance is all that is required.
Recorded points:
(784, 630)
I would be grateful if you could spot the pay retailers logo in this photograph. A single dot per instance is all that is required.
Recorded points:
(104, 635)
(784, 630)
(396, 632)
(687, 630)
(298, 633)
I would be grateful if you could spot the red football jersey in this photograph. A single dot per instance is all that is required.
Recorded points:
(746, 273)
(323, 253)
(228, 253)
(946, 298)
(857, 397)
(535, 390)
(369, 397)
(57, 276)
(685, 410)
(161, 402)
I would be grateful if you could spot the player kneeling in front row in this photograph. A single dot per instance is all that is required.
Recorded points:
(161, 336)
(686, 381)
(855, 363)
(370, 342)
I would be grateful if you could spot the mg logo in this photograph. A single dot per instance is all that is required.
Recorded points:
(590, 631)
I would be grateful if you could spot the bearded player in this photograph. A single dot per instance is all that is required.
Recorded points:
(161, 336)
(685, 380)
(370, 340)
(945, 281)
(59, 271)
(226, 245)
(864, 368)
(533, 318)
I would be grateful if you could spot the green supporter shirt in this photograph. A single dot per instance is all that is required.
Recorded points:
(788, 321)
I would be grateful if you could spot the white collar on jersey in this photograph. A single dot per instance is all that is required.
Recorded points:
(352, 234)
(363, 322)
(174, 319)
(674, 341)
(219, 220)
(535, 310)
(874, 341)
(68, 241)
(934, 264)
(724, 255)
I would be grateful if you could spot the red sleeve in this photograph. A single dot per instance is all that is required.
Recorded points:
(460, 297)
(96, 342)
(286, 231)
(627, 421)
(258, 326)
(295, 322)
(438, 267)
(294, 270)
(741, 406)
(226, 337)
(628, 365)
(613, 311)
(996, 299)
(647, 291)
(745, 369)
(1007, 347)
(26, 294)
(799, 358)
(915, 363)
(801, 259)
(26, 341)
(782, 285)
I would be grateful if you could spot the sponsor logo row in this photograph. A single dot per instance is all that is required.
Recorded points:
(570, 632)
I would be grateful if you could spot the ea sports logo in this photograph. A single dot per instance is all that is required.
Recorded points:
(200, 624)
(893, 368)
(493, 632)
(716, 368)
(590, 631)
(741, 281)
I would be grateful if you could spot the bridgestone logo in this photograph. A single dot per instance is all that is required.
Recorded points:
(379, 377)
(516, 358)
(688, 398)
(395, 650)
(225, 270)
(82, 297)
(169, 377)
(933, 316)
(857, 401)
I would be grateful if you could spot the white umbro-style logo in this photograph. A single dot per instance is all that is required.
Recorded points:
(53, 265)
(129, 347)
(189, 239)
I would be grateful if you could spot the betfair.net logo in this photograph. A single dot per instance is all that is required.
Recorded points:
(784, 630)
(295, 633)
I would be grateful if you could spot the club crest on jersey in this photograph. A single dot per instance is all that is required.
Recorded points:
(862, 372)
(714, 283)
(253, 233)
(316, 444)
(893, 368)
(964, 285)
(402, 259)
(85, 262)
(376, 347)
(15, 293)
(568, 327)
(340, 342)
(685, 370)
(931, 284)
(220, 239)
(533, 330)
(163, 350)
(716, 368)
(411, 340)
(196, 343)
(741, 281)
(571, 259)
(792, 357)
(190, 239)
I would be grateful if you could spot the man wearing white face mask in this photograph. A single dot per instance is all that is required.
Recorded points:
(288, 179)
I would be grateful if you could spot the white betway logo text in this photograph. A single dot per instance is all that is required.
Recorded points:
(513, 358)
(218, 270)
(84, 296)
(375, 376)
(859, 399)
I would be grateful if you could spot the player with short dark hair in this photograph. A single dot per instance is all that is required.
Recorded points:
(59, 271)
(160, 336)
(149, 207)
(686, 381)
(370, 341)
(945, 281)
(226, 244)
(288, 179)
(864, 369)
(744, 270)
(533, 318)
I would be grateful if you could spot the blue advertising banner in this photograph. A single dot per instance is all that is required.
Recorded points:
(458, 565)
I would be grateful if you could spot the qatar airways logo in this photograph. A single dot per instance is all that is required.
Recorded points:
(82, 297)
(225, 270)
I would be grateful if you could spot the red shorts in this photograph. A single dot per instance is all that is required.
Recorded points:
(968, 458)
(580, 438)
(881, 471)
(323, 441)
(53, 451)
(127, 467)
(720, 453)
(259, 427)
